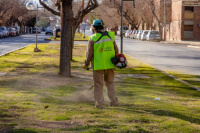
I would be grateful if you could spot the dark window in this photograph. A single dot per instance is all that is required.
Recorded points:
(188, 27)
(189, 8)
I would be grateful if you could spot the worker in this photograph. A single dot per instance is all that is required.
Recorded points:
(101, 48)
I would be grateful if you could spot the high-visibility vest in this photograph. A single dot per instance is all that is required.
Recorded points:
(103, 50)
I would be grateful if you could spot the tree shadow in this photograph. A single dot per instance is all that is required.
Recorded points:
(175, 115)
(21, 131)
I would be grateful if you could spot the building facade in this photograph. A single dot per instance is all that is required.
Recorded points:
(185, 24)
(182, 19)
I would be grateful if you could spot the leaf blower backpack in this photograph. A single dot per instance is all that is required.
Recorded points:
(120, 61)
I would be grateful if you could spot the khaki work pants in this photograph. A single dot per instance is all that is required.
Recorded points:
(108, 77)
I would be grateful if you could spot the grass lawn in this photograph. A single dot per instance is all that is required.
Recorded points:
(191, 79)
(78, 37)
(34, 98)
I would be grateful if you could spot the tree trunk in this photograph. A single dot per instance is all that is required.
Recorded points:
(65, 49)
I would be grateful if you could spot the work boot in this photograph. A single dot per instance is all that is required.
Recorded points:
(115, 103)
(99, 106)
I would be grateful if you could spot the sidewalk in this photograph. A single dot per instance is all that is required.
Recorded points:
(195, 43)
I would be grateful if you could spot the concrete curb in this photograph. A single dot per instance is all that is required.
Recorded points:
(14, 50)
(184, 82)
(183, 43)
(193, 46)
(59, 40)
(174, 43)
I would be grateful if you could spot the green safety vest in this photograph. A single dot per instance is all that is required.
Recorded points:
(103, 50)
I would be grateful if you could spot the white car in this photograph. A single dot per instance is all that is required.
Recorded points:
(127, 33)
(153, 35)
(139, 35)
(125, 28)
(144, 35)
(135, 34)
(118, 32)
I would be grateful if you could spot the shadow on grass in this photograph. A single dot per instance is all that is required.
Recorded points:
(175, 115)
(21, 131)
(157, 82)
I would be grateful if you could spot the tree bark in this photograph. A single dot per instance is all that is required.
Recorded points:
(67, 22)
(65, 49)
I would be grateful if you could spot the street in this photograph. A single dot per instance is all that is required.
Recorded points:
(167, 57)
(12, 43)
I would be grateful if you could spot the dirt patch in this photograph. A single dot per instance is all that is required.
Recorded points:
(48, 124)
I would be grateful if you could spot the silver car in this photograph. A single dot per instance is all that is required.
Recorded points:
(5, 31)
(153, 35)
(4, 34)
(1, 34)
(49, 31)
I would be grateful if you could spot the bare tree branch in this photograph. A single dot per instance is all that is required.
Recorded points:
(49, 9)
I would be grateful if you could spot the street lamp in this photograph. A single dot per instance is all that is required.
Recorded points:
(51, 19)
(30, 6)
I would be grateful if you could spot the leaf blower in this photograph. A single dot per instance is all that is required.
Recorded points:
(120, 61)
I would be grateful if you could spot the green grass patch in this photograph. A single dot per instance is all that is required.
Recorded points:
(191, 79)
(34, 98)
(78, 37)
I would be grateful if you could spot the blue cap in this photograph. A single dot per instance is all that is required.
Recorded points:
(97, 22)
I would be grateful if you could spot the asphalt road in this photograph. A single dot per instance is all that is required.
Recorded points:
(12, 43)
(167, 57)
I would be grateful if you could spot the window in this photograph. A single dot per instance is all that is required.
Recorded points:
(189, 9)
(188, 29)
(189, 12)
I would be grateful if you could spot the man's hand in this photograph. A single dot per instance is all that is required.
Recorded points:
(85, 67)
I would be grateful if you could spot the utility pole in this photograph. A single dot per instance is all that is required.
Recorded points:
(121, 27)
(121, 34)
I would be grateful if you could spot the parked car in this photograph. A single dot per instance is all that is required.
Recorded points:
(49, 31)
(5, 31)
(132, 34)
(38, 30)
(125, 28)
(153, 35)
(118, 32)
(1, 34)
(127, 33)
(4, 35)
(144, 35)
(12, 31)
(16, 29)
(139, 34)
(135, 35)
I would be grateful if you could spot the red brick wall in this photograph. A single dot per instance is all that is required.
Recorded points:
(176, 11)
(196, 27)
